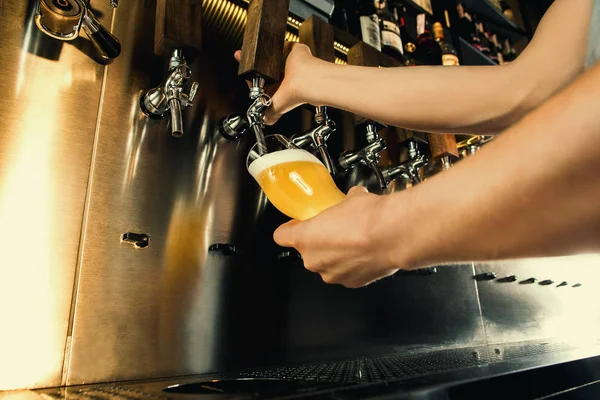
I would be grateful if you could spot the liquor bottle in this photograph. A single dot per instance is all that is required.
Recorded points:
(409, 42)
(484, 44)
(466, 27)
(449, 56)
(497, 50)
(428, 51)
(509, 52)
(391, 41)
(363, 22)
(507, 11)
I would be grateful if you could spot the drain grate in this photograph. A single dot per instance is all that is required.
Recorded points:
(379, 369)
(396, 366)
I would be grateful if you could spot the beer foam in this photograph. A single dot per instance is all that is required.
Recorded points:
(280, 157)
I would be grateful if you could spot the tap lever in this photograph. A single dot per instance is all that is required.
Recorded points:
(410, 168)
(369, 155)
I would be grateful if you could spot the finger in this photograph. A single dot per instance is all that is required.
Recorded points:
(357, 190)
(281, 104)
(285, 234)
(238, 55)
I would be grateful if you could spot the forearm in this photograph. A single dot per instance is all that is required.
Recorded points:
(534, 191)
(438, 99)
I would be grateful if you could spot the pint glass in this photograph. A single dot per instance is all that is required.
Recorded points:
(295, 181)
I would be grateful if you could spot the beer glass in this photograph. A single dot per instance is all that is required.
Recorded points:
(295, 181)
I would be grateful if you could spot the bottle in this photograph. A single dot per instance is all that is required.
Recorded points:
(449, 56)
(509, 53)
(391, 41)
(497, 50)
(466, 28)
(428, 51)
(507, 11)
(484, 44)
(363, 22)
(409, 42)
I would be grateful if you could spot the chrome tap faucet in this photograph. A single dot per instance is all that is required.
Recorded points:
(235, 125)
(169, 94)
(369, 155)
(317, 137)
(410, 168)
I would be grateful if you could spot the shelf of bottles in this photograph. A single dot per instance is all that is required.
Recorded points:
(483, 43)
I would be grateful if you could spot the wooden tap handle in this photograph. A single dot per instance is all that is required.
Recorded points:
(318, 36)
(262, 49)
(362, 54)
(178, 25)
(442, 145)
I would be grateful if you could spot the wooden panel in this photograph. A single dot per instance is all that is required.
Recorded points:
(178, 26)
(442, 145)
(318, 36)
(262, 50)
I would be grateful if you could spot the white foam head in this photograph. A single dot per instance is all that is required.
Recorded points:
(280, 157)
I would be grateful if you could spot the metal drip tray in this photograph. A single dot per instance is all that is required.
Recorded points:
(249, 386)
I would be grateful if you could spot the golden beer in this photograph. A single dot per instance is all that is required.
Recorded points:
(296, 183)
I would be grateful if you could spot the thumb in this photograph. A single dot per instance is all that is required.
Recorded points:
(357, 190)
(284, 235)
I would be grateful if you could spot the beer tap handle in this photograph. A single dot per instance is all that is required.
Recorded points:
(178, 25)
(443, 147)
(262, 48)
(318, 36)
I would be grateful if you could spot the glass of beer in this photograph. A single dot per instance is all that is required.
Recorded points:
(295, 181)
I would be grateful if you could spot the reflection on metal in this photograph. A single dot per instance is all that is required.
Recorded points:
(515, 312)
(50, 106)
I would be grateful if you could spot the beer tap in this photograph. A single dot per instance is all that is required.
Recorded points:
(169, 95)
(264, 34)
(369, 155)
(177, 27)
(317, 137)
(318, 36)
(410, 168)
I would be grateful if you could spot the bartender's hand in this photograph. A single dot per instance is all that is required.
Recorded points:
(298, 63)
(343, 243)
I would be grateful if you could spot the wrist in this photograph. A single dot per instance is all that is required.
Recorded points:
(310, 85)
(406, 242)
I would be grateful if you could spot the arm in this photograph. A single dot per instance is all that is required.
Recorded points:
(465, 100)
(534, 191)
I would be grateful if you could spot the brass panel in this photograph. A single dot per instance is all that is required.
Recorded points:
(50, 96)
(157, 311)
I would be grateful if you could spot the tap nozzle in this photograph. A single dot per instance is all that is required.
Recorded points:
(446, 163)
